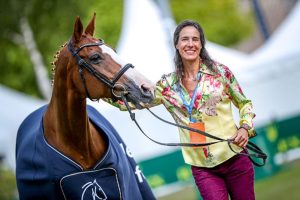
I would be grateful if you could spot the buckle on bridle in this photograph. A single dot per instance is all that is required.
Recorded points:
(119, 94)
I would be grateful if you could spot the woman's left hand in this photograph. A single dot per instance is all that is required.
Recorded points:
(241, 137)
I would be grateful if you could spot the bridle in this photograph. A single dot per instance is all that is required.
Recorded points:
(82, 64)
(258, 153)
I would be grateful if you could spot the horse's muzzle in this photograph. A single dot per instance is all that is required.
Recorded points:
(139, 96)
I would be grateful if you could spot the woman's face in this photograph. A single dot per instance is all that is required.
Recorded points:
(189, 44)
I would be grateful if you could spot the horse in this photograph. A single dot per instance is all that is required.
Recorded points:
(66, 149)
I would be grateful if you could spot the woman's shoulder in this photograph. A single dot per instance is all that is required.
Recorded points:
(220, 68)
(223, 71)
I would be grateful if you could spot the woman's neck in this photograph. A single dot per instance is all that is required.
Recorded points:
(191, 69)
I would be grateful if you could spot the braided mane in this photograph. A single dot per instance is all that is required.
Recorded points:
(53, 63)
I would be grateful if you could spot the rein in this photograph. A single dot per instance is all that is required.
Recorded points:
(258, 153)
(82, 64)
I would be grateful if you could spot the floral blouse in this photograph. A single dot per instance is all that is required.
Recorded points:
(216, 89)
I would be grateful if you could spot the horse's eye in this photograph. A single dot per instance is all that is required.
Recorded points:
(95, 59)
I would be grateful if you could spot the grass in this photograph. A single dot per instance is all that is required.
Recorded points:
(282, 185)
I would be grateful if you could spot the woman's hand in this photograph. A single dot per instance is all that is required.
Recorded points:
(241, 137)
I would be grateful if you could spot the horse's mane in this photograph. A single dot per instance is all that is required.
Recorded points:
(53, 63)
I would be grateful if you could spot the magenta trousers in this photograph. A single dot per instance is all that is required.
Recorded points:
(234, 178)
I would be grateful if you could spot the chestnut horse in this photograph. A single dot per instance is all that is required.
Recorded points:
(68, 150)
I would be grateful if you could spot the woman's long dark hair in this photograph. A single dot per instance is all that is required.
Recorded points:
(203, 53)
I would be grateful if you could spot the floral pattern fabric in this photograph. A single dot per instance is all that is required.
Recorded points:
(217, 89)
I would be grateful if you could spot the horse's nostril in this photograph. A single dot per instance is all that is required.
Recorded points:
(147, 93)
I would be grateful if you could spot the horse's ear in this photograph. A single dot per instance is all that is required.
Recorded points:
(78, 29)
(91, 27)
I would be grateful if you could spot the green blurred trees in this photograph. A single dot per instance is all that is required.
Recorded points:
(52, 25)
(49, 21)
(223, 22)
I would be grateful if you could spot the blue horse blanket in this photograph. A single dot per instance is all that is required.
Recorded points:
(42, 172)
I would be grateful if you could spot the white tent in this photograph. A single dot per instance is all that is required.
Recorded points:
(15, 106)
(271, 74)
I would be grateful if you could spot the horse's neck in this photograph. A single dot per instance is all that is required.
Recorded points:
(68, 115)
(67, 128)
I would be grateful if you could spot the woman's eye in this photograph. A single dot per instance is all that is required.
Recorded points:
(95, 59)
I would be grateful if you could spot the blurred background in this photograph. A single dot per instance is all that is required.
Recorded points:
(258, 39)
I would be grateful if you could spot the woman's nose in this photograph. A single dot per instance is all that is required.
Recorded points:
(190, 42)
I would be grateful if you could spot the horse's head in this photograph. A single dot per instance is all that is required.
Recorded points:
(98, 72)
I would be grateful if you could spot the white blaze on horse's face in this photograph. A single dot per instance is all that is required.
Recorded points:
(131, 73)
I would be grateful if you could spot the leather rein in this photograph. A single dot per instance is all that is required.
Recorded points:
(258, 153)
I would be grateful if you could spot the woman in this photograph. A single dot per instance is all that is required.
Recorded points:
(199, 95)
